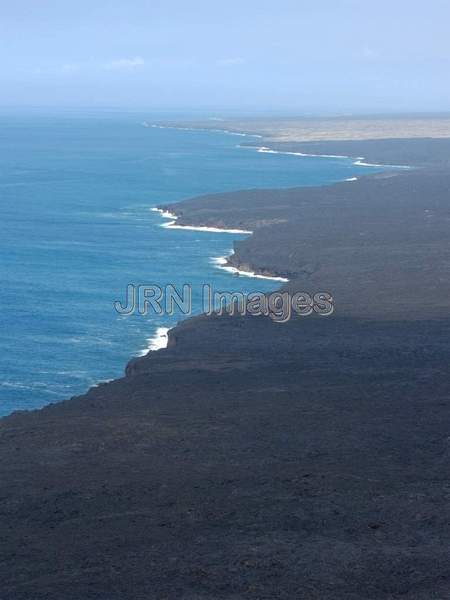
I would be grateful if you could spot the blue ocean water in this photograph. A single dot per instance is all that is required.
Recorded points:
(76, 228)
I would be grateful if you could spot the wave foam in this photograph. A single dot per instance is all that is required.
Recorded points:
(173, 225)
(221, 262)
(359, 162)
(266, 150)
(164, 213)
(157, 342)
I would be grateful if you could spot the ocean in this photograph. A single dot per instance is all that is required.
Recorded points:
(76, 192)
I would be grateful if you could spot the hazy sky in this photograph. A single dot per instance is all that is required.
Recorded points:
(315, 55)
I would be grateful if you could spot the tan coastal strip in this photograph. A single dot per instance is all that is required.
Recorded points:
(306, 130)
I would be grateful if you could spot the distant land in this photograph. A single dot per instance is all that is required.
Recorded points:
(291, 129)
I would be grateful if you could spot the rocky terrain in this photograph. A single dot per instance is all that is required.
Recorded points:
(259, 460)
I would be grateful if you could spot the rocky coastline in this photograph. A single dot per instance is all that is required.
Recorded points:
(253, 459)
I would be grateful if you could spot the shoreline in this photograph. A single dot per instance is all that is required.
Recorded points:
(157, 342)
(215, 130)
(221, 262)
(329, 129)
(165, 214)
(357, 161)
(253, 434)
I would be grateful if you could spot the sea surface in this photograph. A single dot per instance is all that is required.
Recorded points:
(76, 228)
